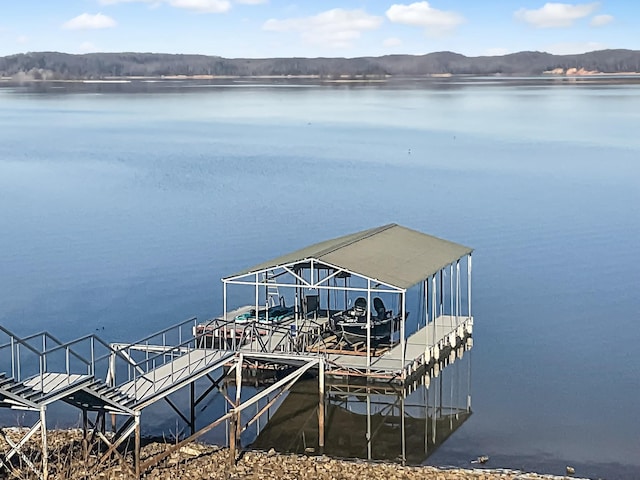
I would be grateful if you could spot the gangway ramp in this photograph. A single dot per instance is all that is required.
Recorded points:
(173, 375)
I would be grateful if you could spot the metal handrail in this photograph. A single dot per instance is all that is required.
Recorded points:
(150, 365)
(161, 332)
(15, 343)
(170, 351)
(19, 340)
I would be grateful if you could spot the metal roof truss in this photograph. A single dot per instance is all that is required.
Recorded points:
(314, 283)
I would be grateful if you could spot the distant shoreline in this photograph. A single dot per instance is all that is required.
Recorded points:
(129, 65)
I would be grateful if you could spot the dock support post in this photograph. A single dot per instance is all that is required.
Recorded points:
(469, 385)
(111, 381)
(85, 434)
(235, 424)
(369, 455)
(45, 450)
(227, 427)
(434, 413)
(441, 309)
(232, 440)
(321, 405)
(224, 321)
(137, 445)
(458, 292)
(427, 359)
(402, 333)
(403, 429)
(451, 295)
(469, 285)
(369, 327)
(433, 317)
(192, 407)
(425, 401)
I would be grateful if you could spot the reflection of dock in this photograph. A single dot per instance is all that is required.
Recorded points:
(373, 422)
(336, 309)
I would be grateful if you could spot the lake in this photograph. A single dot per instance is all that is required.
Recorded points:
(121, 211)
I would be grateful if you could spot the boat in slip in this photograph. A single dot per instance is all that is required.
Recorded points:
(274, 314)
(351, 324)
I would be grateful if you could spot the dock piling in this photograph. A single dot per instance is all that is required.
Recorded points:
(321, 405)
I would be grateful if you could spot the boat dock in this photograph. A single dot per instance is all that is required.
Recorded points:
(338, 309)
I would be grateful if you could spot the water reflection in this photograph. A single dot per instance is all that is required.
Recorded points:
(375, 422)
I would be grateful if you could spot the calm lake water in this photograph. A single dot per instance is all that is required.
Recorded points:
(120, 212)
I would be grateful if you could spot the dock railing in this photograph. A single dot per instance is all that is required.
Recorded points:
(262, 337)
(41, 353)
(23, 359)
(152, 365)
(151, 361)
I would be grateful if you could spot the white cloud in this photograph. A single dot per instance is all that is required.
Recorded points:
(421, 14)
(336, 28)
(251, 2)
(574, 48)
(86, 21)
(392, 42)
(202, 6)
(113, 2)
(553, 15)
(22, 39)
(600, 20)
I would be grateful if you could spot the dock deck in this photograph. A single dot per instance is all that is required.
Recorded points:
(305, 337)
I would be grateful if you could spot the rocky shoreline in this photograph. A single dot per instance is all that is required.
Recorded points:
(201, 462)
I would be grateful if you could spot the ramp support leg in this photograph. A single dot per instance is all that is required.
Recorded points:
(45, 450)
(321, 405)
(137, 445)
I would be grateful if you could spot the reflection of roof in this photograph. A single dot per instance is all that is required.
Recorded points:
(391, 254)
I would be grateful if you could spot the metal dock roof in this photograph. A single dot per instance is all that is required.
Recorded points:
(391, 253)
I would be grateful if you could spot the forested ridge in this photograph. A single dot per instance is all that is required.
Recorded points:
(54, 65)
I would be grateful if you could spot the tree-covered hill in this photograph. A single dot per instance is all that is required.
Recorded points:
(53, 65)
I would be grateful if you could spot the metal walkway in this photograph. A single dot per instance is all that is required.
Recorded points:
(39, 370)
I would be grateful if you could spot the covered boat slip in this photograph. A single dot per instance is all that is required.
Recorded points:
(349, 300)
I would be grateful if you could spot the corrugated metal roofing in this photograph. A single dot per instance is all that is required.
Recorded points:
(391, 254)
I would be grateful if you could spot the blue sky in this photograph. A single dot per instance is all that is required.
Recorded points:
(285, 28)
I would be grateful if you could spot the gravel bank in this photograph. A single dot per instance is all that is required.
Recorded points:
(201, 462)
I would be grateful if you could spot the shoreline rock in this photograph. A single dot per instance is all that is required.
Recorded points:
(198, 461)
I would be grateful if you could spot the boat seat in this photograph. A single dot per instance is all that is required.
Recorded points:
(310, 304)
(360, 306)
(381, 311)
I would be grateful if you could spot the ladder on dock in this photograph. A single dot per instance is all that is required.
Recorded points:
(273, 294)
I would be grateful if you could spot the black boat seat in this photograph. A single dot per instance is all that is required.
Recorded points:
(360, 306)
(381, 311)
